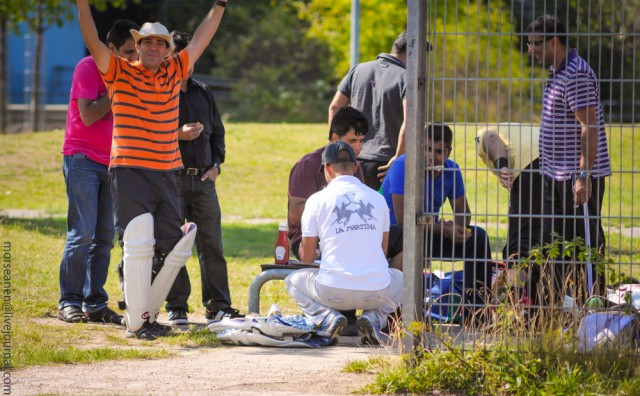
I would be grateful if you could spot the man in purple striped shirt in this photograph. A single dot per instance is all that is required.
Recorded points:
(573, 144)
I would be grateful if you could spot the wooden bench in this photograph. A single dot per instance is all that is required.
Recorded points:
(271, 272)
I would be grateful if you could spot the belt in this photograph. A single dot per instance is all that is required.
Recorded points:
(193, 171)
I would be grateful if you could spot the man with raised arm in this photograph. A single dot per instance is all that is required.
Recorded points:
(144, 158)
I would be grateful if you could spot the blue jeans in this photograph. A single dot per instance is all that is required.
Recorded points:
(199, 204)
(90, 232)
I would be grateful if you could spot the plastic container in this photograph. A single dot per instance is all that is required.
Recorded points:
(281, 250)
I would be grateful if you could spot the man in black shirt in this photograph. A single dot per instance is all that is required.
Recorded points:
(201, 140)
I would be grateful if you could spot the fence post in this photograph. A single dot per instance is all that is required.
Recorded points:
(413, 288)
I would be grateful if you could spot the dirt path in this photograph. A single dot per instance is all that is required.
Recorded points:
(219, 371)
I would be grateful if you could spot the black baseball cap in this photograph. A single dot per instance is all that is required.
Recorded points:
(331, 153)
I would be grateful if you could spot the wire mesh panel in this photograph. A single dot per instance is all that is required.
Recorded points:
(523, 178)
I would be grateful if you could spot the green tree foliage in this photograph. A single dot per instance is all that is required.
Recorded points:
(477, 68)
(380, 24)
(478, 72)
(279, 74)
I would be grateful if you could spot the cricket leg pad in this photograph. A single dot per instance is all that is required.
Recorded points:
(175, 260)
(138, 255)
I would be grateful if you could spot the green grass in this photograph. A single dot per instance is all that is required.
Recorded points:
(524, 369)
(253, 185)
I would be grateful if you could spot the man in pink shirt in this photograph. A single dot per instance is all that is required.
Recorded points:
(86, 150)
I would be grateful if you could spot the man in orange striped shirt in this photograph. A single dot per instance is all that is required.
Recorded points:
(144, 157)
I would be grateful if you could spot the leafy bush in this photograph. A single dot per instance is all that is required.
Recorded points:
(279, 74)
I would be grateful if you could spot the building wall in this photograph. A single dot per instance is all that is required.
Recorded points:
(62, 48)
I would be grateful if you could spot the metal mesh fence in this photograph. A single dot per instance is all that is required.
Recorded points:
(542, 166)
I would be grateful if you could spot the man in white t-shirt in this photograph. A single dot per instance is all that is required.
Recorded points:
(350, 221)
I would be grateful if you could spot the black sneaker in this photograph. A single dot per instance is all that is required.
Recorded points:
(163, 329)
(178, 317)
(228, 312)
(148, 331)
(105, 315)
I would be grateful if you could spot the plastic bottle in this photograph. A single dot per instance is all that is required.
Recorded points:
(282, 245)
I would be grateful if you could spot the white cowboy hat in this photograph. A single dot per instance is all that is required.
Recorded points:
(153, 29)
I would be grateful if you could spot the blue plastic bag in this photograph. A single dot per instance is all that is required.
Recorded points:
(443, 296)
(615, 327)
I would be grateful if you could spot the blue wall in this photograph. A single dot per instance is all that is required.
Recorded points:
(62, 48)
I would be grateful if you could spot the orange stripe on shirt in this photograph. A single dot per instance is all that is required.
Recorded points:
(145, 109)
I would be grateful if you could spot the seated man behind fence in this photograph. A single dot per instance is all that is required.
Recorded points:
(351, 223)
(456, 239)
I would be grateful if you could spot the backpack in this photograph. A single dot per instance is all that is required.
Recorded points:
(443, 296)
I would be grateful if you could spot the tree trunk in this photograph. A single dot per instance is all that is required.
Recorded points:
(35, 106)
(3, 77)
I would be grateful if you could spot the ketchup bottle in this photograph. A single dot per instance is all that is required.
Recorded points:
(282, 245)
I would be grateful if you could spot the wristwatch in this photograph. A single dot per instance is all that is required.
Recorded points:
(217, 165)
(584, 175)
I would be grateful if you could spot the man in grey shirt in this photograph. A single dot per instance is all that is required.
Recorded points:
(378, 90)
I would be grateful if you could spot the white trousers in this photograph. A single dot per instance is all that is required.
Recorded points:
(317, 300)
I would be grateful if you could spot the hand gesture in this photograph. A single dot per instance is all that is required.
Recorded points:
(190, 131)
(581, 191)
(211, 174)
(455, 232)
(506, 178)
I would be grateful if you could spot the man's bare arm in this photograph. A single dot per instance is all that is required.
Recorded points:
(97, 48)
(296, 207)
(588, 149)
(461, 211)
(398, 207)
(495, 148)
(382, 171)
(339, 100)
(204, 33)
(307, 250)
(92, 110)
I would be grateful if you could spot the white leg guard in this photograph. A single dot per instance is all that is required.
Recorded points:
(172, 264)
(138, 256)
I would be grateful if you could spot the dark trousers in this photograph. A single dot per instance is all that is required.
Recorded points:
(476, 254)
(370, 170)
(525, 222)
(563, 218)
(525, 213)
(199, 204)
(138, 191)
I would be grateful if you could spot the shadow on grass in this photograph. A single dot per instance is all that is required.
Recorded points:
(49, 226)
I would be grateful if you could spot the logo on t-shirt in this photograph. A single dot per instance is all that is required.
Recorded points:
(346, 210)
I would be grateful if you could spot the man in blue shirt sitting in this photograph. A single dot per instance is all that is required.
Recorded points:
(451, 239)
